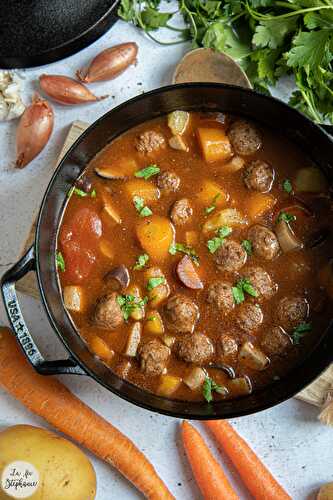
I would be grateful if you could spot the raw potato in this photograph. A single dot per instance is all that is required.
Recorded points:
(64, 470)
(155, 236)
(326, 492)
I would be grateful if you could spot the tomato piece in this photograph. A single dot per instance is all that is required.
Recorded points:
(78, 262)
(84, 226)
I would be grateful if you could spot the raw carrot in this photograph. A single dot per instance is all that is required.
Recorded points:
(209, 475)
(50, 399)
(253, 472)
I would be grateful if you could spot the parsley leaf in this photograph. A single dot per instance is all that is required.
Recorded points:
(154, 282)
(141, 261)
(310, 49)
(93, 193)
(80, 192)
(139, 204)
(286, 217)
(129, 303)
(212, 207)
(216, 242)
(287, 186)
(147, 172)
(209, 386)
(180, 247)
(60, 262)
(272, 32)
(243, 286)
(153, 19)
(300, 331)
(247, 245)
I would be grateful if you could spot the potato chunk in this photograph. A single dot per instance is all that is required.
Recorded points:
(178, 121)
(226, 217)
(210, 192)
(214, 143)
(133, 340)
(195, 378)
(169, 384)
(155, 235)
(154, 323)
(74, 298)
(145, 189)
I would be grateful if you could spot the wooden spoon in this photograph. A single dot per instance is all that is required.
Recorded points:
(207, 65)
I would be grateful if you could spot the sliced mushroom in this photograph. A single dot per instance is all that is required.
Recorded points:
(253, 357)
(178, 143)
(133, 340)
(187, 274)
(112, 213)
(120, 169)
(84, 183)
(195, 379)
(118, 278)
(287, 238)
(228, 370)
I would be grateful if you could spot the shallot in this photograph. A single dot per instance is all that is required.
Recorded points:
(109, 63)
(66, 90)
(34, 130)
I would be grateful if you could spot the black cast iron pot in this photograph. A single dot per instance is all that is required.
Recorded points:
(41, 257)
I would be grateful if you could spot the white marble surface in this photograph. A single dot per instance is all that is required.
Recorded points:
(288, 437)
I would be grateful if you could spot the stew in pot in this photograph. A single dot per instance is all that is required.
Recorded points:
(194, 256)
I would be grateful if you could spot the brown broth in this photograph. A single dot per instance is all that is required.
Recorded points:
(296, 273)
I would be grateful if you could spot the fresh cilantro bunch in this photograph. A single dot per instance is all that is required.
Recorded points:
(268, 38)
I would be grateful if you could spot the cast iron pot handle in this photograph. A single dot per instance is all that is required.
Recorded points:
(30, 349)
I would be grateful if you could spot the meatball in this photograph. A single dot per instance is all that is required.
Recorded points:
(181, 313)
(265, 243)
(259, 176)
(153, 356)
(220, 295)
(149, 141)
(291, 311)
(275, 341)
(168, 181)
(261, 282)
(108, 313)
(228, 346)
(196, 348)
(244, 137)
(181, 212)
(231, 256)
(249, 317)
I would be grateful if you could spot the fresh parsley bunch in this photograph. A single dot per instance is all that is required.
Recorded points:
(268, 38)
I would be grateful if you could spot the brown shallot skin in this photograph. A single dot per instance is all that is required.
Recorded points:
(109, 63)
(67, 91)
(33, 131)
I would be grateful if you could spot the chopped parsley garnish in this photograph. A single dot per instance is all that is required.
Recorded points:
(216, 242)
(180, 247)
(129, 303)
(151, 318)
(80, 192)
(139, 204)
(60, 262)
(141, 261)
(286, 217)
(209, 386)
(147, 172)
(154, 282)
(300, 331)
(287, 186)
(212, 207)
(243, 286)
(247, 245)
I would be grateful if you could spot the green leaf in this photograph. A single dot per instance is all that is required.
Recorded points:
(152, 19)
(180, 247)
(145, 212)
(129, 303)
(266, 63)
(301, 331)
(287, 186)
(141, 261)
(126, 10)
(209, 386)
(214, 244)
(286, 217)
(93, 193)
(60, 262)
(154, 282)
(310, 49)
(139, 203)
(147, 172)
(248, 288)
(238, 294)
(272, 33)
(212, 207)
(224, 231)
(247, 245)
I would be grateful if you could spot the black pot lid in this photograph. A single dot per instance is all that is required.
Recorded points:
(36, 32)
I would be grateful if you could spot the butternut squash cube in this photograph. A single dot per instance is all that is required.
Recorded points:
(210, 192)
(154, 323)
(257, 204)
(155, 235)
(168, 385)
(99, 347)
(214, 143)
(106, 248)
(145, 189)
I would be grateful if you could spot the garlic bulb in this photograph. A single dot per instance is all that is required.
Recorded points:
(11, 105)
